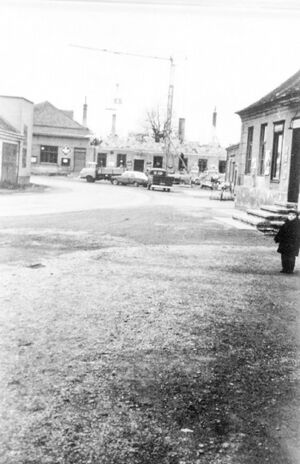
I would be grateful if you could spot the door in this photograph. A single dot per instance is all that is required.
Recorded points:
(79, 159)
(182, 163)
(157, 161)
(9, 163)
(101, 160)
(293, 190)
(138, 165)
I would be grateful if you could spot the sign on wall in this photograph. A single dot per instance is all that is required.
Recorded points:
(66, 150)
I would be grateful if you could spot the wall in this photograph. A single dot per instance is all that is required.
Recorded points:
(212, 154)
(60, 142)
(254, 190)
(19, 113)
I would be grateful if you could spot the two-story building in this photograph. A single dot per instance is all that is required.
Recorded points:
(16, 118)
(268, 162)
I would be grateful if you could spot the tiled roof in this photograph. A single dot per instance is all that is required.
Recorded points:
(288, 92)
(4, 125)
(46, 114)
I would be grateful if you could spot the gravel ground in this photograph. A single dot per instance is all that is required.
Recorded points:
(146, 336)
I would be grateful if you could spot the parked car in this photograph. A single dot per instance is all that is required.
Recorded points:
(158, 178)
(135, 178)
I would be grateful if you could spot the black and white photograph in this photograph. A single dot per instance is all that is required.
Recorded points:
(149, 232)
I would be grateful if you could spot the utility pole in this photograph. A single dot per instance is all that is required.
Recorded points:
(170, 88)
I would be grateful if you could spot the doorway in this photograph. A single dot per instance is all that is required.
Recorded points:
(157, 161)
(79, 159)
(138, 165)
(294, 179)
(101, 160)
(182, 163)
(9, 163)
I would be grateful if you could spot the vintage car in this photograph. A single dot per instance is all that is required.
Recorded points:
(158, 178)
(135, 178)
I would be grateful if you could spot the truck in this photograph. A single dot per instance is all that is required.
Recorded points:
(158, 178)
(93, 172)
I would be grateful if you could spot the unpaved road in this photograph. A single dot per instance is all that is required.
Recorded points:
(157, 333)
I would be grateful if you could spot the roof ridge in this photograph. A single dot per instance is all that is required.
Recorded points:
(74, 125)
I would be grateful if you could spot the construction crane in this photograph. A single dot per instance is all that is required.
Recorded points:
(170, 59)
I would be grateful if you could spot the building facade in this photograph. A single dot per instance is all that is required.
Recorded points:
(16, 120)
(60, 144)
(137, 154)
(268, 162)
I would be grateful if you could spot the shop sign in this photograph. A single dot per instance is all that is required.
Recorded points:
(66, 150)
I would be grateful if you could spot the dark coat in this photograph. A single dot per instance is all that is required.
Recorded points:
(288, 238)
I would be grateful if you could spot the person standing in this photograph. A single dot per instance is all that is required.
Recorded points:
(288, 238)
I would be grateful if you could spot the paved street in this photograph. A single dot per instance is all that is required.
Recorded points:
(143, 327)
(68, 195)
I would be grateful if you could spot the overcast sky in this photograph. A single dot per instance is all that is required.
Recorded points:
(227, 54)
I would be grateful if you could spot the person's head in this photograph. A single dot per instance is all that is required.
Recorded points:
(292, 215)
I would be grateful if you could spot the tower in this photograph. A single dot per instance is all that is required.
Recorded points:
(117, 101)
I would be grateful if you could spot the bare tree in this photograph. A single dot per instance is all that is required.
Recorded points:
(157, 124)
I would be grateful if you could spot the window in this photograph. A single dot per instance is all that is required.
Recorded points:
(202, 164)
(277, 151)
(222, 166)
(49, 154)
(249, 150)
(65, 161)
(262, 149)
(24, 157)
(121, 160)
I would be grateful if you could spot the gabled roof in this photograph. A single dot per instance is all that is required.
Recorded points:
(4, 125)
(46, 114)
(286, 93)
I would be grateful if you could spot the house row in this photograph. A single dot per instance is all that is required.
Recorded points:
(43, 139)
(135, 154)
(264, 167)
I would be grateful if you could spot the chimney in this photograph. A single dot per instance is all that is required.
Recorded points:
(84, 116)
(214, 118)
(113, 124)
(214, 128)
(181, 129)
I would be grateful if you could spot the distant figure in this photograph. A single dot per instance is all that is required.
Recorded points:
(288, 238)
